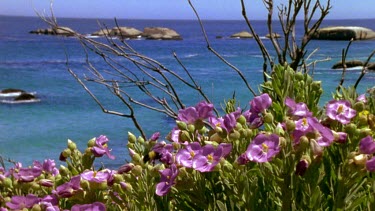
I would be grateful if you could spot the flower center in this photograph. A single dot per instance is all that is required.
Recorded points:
(192, 154)
(340, 109)
(304, 122)
(265, 147)
(210, 158)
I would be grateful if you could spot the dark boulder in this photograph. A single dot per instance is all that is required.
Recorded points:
(25, 96)
(349, 64)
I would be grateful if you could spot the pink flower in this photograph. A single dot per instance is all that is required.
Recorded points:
(101, 147)
(167, 180)
(263, 148)
(340, 110)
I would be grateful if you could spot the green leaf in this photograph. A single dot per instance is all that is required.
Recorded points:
(221, 206)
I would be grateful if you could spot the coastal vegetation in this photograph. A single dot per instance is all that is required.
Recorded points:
(281, 151)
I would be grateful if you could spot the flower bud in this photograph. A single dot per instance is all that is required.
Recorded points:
(46, 183)
(242, 120)
(249, 133)
(181, 125)
(359, 106)
(216, 138)
(137, 158)
(126, 186)
(131, 138)
(85, 184)
(316, 148)
(66, 153)
(298, 76)
(125, 168)
(137, 170)
(364, 132)
(238, 127)
(290, 125)
(7, 182)
(91, 142)
(363, 120)
(350, 128)
(268, 118)
(303, 144)
(315, 85)
(235, 135)
(140, 140)
(184, 136)
(191, 128)
(36, 207)
(64, 171)
(71, 145)
(302, 166)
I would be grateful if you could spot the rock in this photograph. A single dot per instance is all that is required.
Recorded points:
(101, 32)
(61, 30)
(25, 96)
(125, 32)
(65, 31)
(11, 90)
(349, 64)
(371, 66)
(219, 37)
(242, 35)
(275, 35)
(160, 33)
(344, 33)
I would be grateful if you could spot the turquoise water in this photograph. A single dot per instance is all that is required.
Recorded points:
(37, 63)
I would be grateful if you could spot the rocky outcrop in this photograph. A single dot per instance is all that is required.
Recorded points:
(25, 96)
(61, 30)
(344, 33)
(160, 33)
(242, 35)
(11, 90)
(354, 63)
(125, 32)
(349, 64)
(275, 35)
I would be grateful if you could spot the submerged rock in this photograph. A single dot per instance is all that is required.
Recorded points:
(344, 33)
(11, 90)
(160, 33)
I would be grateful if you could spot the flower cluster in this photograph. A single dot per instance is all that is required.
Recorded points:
(280, 154)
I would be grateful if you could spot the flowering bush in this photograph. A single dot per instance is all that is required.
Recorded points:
(283, 153)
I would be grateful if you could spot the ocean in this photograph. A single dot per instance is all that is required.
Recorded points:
(37, 63)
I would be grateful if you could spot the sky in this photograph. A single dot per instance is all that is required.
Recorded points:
(170, 9)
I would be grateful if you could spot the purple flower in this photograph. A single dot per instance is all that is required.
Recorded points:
(254, 120)
(164, 151)
(126, 168)
(263, 148)
(298, 110)
(167, 180)
(70, 188)
(101, 147)
(228, 122)
(340, 110)
(185, 156)
(260, 103)
(209, 157)
(301, 167)
(242, 159)
(341, 137)
(21, 202)
(96, 206)
(96, 176)
(311, 125)
(202, 110)
(155, 136)
(367, 145)
(370, 164)
(27, 174)
(48, 166)
(362, 98)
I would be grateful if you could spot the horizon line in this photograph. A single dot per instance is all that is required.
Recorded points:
(168, 19)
